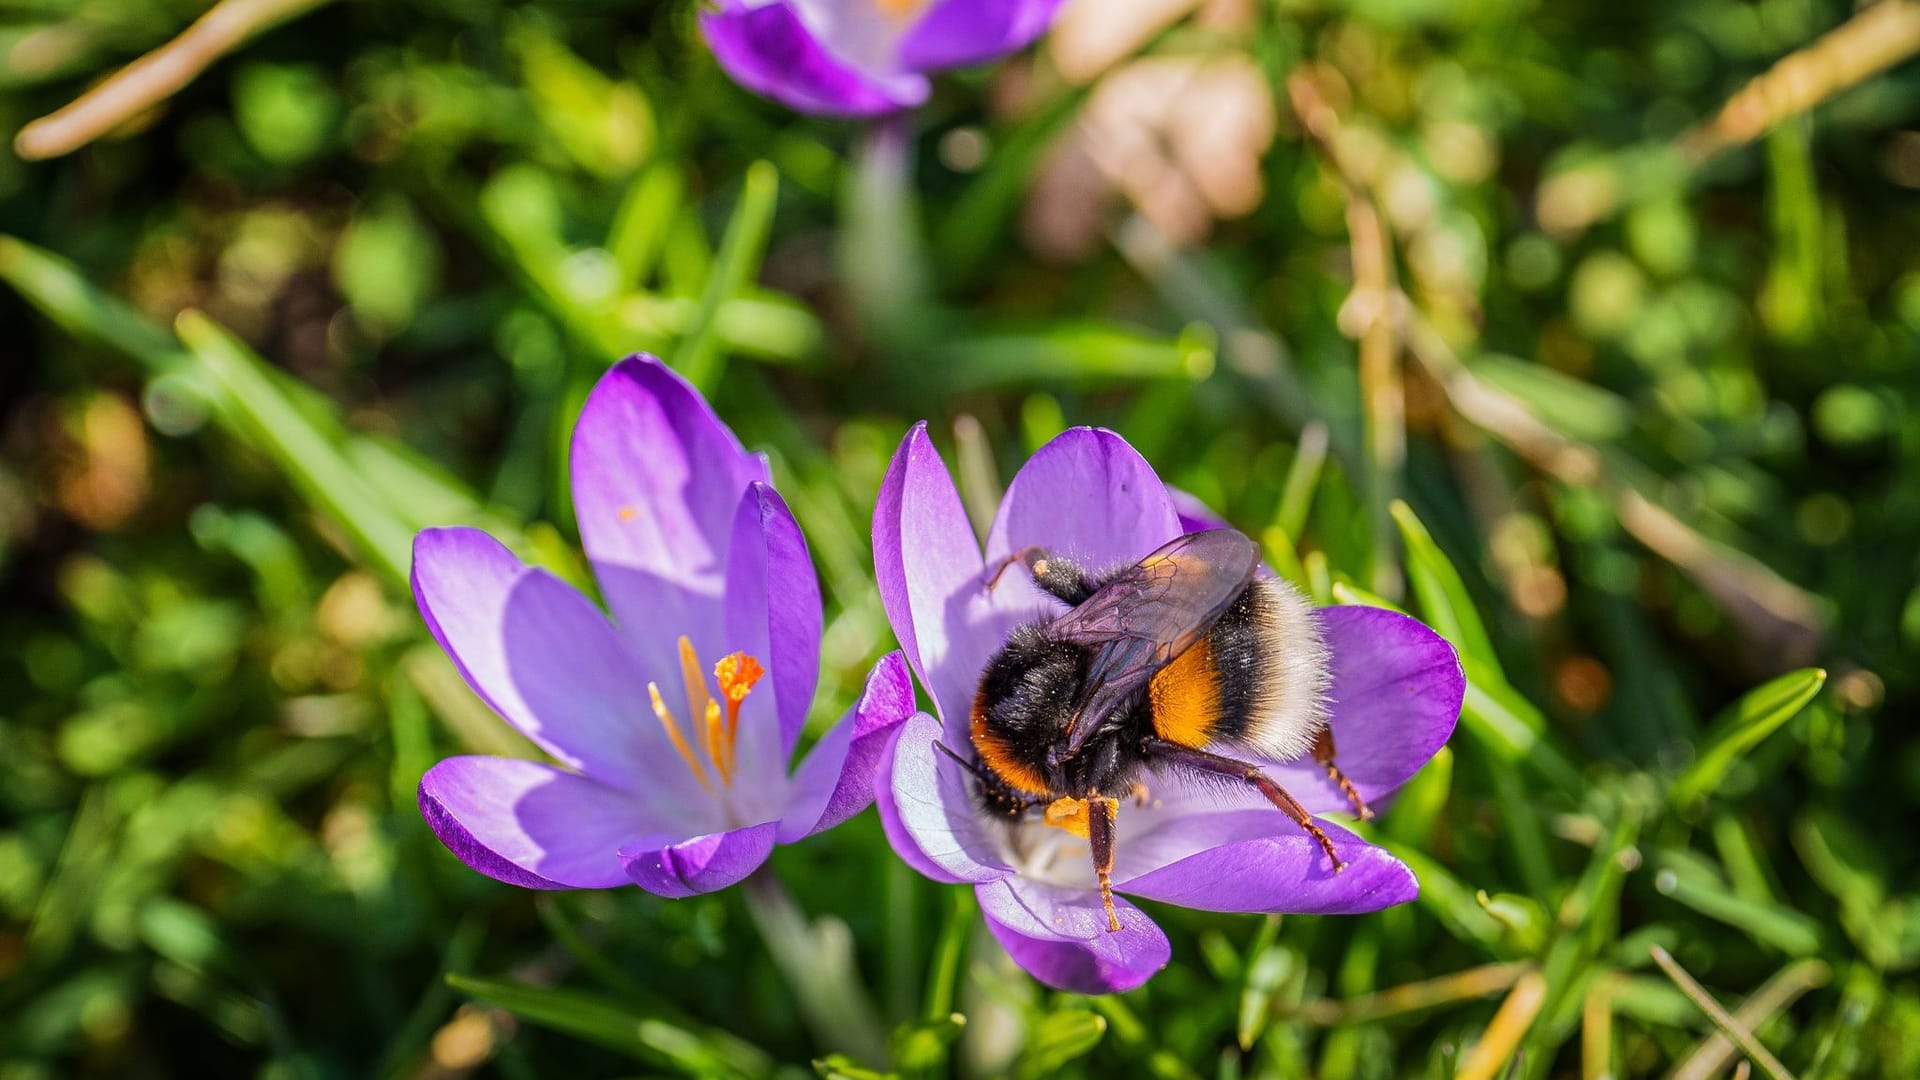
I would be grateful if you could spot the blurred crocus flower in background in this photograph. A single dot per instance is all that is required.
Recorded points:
(854, 58)
(1395, 694)
(672, 726)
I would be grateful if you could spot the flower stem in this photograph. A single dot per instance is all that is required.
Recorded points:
(816, 957)
(882, 253)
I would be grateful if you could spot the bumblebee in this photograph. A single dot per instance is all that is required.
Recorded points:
(1177, 664)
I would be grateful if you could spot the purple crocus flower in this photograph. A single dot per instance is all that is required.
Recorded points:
(663, 779)
(862, 57)
(1395, 694)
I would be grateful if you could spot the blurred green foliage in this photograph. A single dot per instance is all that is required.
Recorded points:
(356, 278)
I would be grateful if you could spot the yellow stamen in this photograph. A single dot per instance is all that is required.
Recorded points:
(716, 727)
(897, 9)
(673, 733)
(719, 747)
(697, 693)
(736, 673)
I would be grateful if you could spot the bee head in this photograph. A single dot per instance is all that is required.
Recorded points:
(1022, 708)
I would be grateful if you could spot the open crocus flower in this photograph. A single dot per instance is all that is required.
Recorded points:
(1393, 698)
(862, 57)
(664, 779)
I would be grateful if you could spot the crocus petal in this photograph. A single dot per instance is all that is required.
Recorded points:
(931, 577)
(836, 779)
(1086, 495)
(770, 51)
(1396, 695)
(927, 808)
(657, 479)
(773, 613)
(1060, 936)
(1258, 860)
(1195, 516)
(703, 864)
(530, 824)
(956, 33)
(548, 662)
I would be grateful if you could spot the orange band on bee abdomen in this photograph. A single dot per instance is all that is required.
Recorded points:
(1186, 698)
(999, 760)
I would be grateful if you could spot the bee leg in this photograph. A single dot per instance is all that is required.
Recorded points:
(1201, 761)
(1060, 577)
(1100, 815)
(1323, 753)
(1141, 796)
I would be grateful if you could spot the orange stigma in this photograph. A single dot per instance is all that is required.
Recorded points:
(736, 674)
(898, 9)
(716, 727)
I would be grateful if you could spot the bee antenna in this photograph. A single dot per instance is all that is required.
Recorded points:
(971, 766)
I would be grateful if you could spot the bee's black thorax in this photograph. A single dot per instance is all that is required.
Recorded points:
(1026, 699)
(1021, 709)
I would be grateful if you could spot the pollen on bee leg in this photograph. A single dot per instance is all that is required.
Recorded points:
(1069, 814)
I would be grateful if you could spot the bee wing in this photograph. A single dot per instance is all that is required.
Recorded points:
(1151, 612)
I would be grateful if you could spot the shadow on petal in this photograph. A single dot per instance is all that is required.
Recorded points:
(531, 824)
(927, 809)
(1060, 936)
(837, 778)
(703, 864)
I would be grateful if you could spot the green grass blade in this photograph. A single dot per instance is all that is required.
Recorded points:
(269, 420)
(697, 356)
(1442, 594)
(1759, 713)
(1783, 928)
(1501, 719)
(1303, 479)
(1083, 353)
(1058, 1039)
(61, 293)
(602, 1021)
(640, 227)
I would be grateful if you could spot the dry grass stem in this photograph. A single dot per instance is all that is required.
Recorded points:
(1775, 994)
(1742, 1037)
(1509, 1025)
(1782, 620)
(1878, 37)
(1596, 1030)
(1367, 316)
(154, 77)
(1413, 997)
